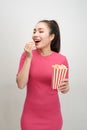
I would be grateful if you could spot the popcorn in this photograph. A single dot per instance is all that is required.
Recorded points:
(58, 74)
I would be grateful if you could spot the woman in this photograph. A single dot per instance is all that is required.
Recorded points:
(42, 109)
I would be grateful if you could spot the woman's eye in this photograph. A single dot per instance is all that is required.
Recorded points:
(41, 31)
(38, 32)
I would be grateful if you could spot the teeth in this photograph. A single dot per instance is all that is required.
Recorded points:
(37, 40)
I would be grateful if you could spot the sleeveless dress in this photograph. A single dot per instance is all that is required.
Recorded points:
(42, 110)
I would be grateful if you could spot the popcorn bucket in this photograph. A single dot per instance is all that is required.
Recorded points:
(58, 74)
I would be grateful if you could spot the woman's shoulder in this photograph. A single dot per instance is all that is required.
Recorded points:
(23, 54)
(59, 55)
(61, 58)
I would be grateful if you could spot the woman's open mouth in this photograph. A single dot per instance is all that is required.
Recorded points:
(37, 41)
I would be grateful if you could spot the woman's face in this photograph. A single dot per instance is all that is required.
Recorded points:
(41, 35)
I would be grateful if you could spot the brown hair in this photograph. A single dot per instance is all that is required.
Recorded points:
(54, 29)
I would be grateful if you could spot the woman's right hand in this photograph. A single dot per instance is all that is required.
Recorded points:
(28, 49)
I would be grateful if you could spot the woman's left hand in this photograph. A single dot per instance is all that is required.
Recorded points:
(64, 86)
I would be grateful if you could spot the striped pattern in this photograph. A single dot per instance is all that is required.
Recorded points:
(58, 74)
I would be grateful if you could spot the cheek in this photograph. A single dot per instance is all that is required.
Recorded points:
(46, 38)
(44, 35)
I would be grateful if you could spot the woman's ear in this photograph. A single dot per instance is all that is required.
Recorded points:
(52, 36)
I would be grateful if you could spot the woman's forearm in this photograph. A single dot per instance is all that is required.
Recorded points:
(22, 77)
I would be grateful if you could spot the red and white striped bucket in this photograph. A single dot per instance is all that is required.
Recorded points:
(58, 74)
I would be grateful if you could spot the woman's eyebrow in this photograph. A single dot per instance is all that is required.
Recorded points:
(38, 29)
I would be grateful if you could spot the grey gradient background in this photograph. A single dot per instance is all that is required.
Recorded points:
(17, 20)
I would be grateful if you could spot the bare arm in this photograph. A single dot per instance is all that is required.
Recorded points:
(22, 77)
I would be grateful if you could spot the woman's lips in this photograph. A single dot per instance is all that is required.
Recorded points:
(37, 42)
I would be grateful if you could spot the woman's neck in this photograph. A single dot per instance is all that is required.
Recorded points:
(45, 51)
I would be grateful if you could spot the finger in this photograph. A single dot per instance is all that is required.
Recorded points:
(65, 80)
(63, 89)
(28, 46)
(64, 84)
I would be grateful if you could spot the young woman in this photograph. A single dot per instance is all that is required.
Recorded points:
(42, 110)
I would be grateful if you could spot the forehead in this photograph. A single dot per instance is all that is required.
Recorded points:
(42, 25)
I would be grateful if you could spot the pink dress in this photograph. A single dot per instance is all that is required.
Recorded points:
(42, 110)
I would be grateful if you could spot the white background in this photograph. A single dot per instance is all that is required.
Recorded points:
(17, 20)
